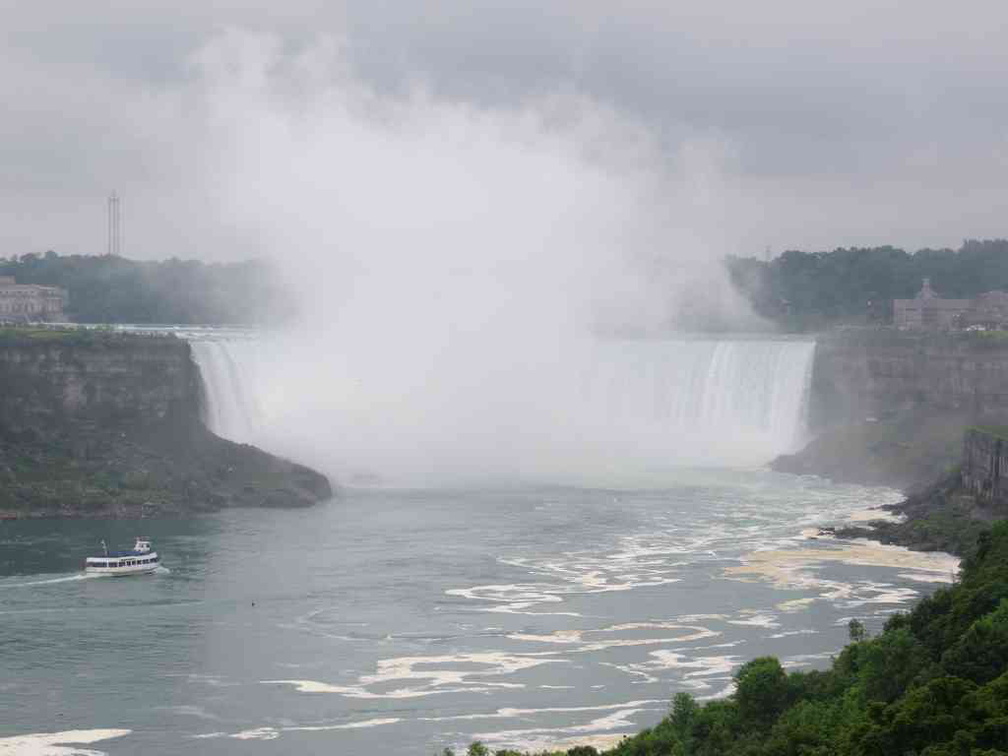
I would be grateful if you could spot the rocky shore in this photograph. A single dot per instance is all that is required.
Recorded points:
(949, 513)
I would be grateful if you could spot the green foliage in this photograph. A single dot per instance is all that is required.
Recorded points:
(761, 689)
(856, 630)
(117, 290)
(812, 290)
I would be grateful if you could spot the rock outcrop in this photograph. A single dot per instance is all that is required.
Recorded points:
(985, 465)
(874, 373)
(889, 407)
(108, 424)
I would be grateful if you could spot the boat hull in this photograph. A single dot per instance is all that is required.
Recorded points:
(132, 564)
(121, 571)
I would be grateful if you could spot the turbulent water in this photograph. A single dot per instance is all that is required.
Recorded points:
(607, 409)
(398, 620)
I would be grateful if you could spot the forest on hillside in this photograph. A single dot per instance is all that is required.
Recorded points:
(111, 289)
(809, 291)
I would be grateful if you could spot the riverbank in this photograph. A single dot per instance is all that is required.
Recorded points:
(102, 424)
(951, 498)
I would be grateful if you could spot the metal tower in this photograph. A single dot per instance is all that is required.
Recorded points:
(115, 225)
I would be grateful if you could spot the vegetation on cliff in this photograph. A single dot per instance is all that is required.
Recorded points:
(110, 289)
(934, 683)
(810, 291)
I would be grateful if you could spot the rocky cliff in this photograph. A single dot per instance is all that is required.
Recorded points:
(108, 424)
(861, 374)
(952, 511)
(985, 465)
(889, 407)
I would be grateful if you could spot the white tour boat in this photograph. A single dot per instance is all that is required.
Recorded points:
(138, 561)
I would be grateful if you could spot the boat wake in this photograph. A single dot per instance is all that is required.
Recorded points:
(10, 583)
(71, 578)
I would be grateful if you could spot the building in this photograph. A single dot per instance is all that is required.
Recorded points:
(30, 303)
(929, 311)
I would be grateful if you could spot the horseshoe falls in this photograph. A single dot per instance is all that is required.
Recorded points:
(605, 411)
(534, 549)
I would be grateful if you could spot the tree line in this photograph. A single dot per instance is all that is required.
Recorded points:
(111, 289)
(808, 291)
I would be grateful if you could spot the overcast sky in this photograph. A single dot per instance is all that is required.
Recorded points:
(748, 126)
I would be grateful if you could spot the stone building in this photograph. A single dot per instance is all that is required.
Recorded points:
(30, 303)
(929, 311)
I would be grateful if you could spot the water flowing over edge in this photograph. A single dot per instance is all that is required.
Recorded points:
(590, 414)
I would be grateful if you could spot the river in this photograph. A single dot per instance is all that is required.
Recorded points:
(404, 621)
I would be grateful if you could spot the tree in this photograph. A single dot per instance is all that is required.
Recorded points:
(762, 689)
(856, 630)
(682, 717)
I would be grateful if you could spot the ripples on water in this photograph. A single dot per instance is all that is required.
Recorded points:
(411, 620)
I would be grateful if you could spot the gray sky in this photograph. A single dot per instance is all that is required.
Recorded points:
(745, 125)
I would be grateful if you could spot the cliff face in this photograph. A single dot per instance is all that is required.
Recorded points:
(871, 374)
(95, 424)
(115, 381)
(889, 407)
(985, 465)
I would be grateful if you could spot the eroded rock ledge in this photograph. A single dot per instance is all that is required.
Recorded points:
(107, 424)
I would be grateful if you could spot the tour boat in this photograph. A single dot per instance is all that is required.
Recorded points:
(137, 561)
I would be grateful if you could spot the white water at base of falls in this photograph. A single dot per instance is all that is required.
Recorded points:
(595, 414)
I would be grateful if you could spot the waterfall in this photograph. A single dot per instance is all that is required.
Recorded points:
(231, 409)
(592, 409)
(743, 389)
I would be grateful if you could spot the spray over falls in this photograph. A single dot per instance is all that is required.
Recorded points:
(597, 414)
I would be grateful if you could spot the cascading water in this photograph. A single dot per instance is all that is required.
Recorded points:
(231, 409)
(594, 411)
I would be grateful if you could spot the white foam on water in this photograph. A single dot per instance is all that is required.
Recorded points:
(804, 660)
(551, 738)
(789, 633)
(922, 577)
(258, 733)
(376, 722)
(435, 674)
(58, 743)
(582, 641)
(55, 580)
(695, 667)
(796, 568)
(755, 618)
(796, 605)
(513, 713)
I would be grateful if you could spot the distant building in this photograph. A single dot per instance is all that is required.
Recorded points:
(928, 311)
(30, 303)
